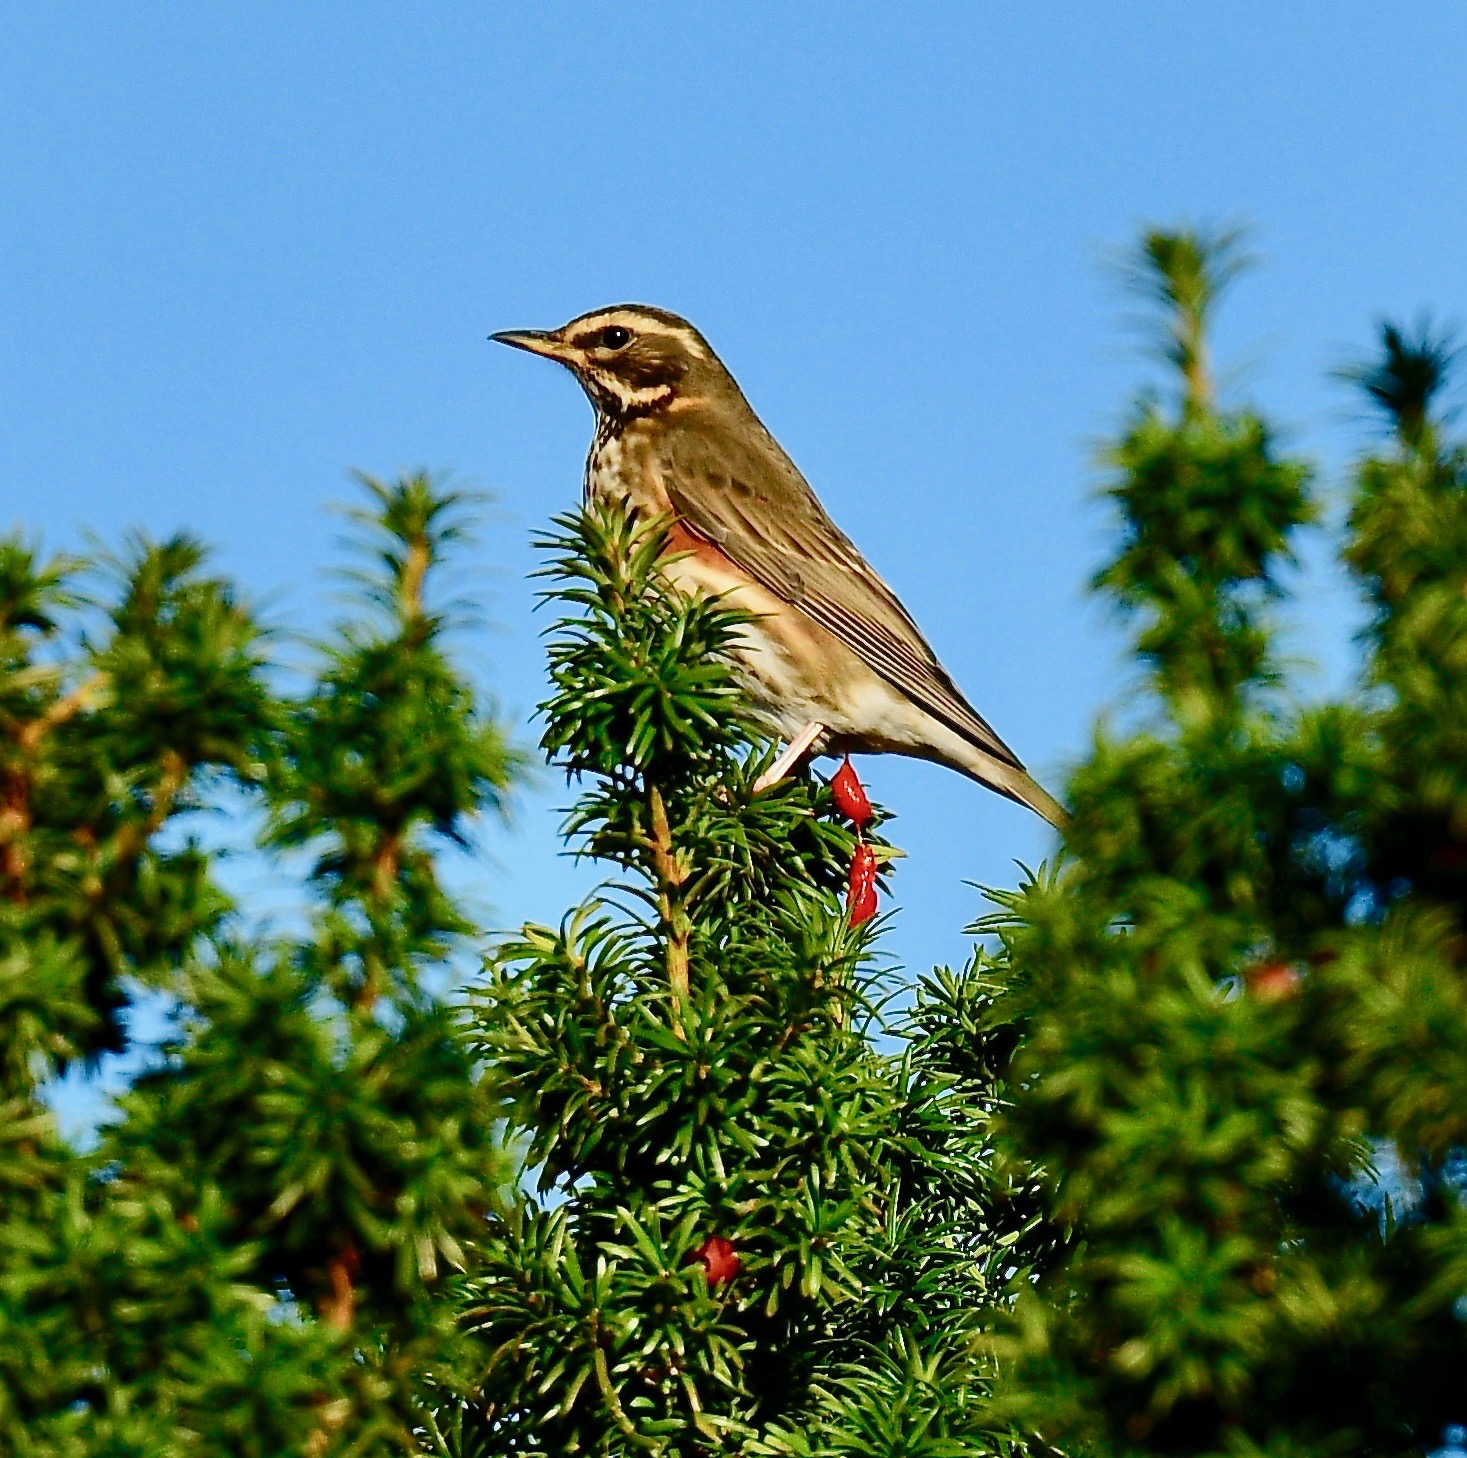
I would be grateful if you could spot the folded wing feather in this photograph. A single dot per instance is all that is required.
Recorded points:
(782, 537)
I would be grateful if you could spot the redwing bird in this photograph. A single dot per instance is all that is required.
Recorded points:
(834, 660)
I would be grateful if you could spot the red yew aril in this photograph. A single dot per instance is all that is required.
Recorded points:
(719, 1258)
(1272, 981)
(861, 889)
(850, 795)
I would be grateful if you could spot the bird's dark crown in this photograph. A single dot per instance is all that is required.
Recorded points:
(631, 359)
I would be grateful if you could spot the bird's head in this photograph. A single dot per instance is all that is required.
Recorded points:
(630, 359)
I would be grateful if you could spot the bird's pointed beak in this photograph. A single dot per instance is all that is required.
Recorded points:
(535, 341)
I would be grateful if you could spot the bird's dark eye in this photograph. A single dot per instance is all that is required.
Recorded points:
(615, 337)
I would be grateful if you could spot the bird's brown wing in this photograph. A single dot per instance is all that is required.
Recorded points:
(740, 490)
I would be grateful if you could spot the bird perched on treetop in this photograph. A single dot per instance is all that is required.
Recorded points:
(834, 660)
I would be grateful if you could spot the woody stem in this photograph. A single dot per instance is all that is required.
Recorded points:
(338, 1305)
(672, 877)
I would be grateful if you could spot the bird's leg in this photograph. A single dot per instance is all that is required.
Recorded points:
(799, 747)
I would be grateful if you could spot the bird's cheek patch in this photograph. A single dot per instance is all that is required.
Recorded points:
(648, 364)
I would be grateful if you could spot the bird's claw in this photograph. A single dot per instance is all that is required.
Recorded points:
(798, 748)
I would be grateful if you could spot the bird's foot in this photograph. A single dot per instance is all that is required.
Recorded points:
(799, 747)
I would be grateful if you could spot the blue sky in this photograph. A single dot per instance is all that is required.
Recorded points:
(244, 248)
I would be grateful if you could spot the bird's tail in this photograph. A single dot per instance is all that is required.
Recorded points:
(1015, 783)
(1028, 791)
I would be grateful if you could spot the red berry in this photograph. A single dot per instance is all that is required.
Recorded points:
(850, 795)
(861, 889)
(720, 1260)
(1272, 981)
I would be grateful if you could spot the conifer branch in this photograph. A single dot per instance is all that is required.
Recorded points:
(607, 1388)
(30, 734)
(673, 916)
(1245, 979)
(338, 1305)
(315, 1138)
(1185, 273)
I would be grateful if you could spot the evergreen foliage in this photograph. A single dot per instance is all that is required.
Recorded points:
(675, 1181)
(1243, 988)
(253, 1259)
(746, 1228)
